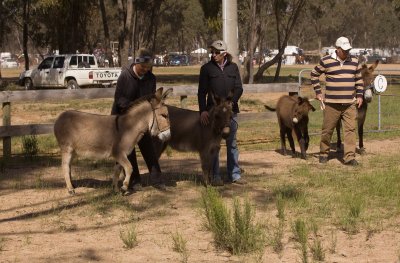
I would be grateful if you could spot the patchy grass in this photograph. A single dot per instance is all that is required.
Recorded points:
(128, 235)
(179, 244)
(235, 231)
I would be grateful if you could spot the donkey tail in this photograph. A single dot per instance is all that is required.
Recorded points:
(269, 108)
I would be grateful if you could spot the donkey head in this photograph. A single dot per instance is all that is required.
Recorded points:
(221, 114)
(301, 109)
(160, 125)
(367, 73)
(368, 77)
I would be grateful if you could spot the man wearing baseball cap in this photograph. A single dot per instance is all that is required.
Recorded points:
(135, 81)
(343, 94)
(220, 76)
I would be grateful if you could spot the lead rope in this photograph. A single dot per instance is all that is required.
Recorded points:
(154, 118)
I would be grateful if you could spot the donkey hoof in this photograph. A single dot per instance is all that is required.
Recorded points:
(362, 151)
(71, 191)
(126, 193)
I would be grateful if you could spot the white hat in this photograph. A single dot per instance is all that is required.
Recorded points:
(219, 45)
(343, 43)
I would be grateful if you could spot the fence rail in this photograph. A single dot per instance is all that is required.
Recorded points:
(7, 97)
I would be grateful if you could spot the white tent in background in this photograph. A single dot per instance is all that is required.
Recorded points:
(199, 51)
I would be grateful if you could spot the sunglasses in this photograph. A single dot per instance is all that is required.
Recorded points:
(216, 52)
(145, 59)
(345, 51)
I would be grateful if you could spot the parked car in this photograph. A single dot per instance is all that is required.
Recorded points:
(70, 71)
(372, 58)
(179, 60)
(9, 63)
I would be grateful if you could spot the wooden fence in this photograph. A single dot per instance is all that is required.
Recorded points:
(8, 97)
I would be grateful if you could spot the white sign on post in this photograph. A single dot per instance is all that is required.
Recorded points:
(380, 84)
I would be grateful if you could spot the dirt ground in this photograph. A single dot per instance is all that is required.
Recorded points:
(40, 222)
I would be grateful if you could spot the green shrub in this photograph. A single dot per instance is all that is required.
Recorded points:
(179, 245)
(301, 235)
(30, 146)
(129, 236)
(235, 232)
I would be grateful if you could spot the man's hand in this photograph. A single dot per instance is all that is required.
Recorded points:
(204, 118)
(320, 97)
(359, 102)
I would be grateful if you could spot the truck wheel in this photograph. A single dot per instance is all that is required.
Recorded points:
(28, 84)
(72, 84)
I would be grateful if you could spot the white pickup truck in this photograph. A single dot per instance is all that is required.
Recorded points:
(71, 71)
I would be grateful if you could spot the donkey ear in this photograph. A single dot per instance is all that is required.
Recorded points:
(159, 93)
(373, 66)
(167, 93)
(215, 98)
(230, 95)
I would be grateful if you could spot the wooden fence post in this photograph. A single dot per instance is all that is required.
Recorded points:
(6, 122)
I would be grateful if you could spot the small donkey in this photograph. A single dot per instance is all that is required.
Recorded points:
(292, 112)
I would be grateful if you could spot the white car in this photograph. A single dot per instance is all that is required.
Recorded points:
(71, 71)
(9, 63)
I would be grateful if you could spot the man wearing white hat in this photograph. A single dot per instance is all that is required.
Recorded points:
(343, 94)
(220, 76)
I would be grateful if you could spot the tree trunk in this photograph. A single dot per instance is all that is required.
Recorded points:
(286, 32)
(253, 40)
(26, 33)
(125, 8)
(106, 33)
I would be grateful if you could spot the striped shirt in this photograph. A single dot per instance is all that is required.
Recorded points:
(343, 79)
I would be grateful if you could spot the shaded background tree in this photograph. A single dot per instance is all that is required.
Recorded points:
(33, 27)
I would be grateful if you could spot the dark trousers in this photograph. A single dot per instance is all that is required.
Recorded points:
(149, 156)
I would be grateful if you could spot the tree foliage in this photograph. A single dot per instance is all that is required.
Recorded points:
(42, 26)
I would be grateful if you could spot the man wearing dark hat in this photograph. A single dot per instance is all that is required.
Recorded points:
(220, 76)
(135, 81)
(343, 94)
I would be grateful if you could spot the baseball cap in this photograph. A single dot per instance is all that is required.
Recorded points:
(343, 43)
(145, 56)
(219, 45)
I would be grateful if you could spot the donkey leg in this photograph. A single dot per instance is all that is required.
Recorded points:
(291, 142)
(124, 162)
(206, 167)
(302, 143)
(209, 164)
(361, 139)
(117, 172)
(66, 157)
(339, 139)
(283, 141)
(362, 113)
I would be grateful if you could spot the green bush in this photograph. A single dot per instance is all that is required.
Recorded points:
(235, 232)
(30, 146)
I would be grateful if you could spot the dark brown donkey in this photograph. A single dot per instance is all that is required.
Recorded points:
(101, 136)
(368, 77)
(188, 135)
(292, 112)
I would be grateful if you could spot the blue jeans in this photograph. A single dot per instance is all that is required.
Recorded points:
(232, 153)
